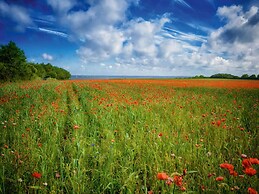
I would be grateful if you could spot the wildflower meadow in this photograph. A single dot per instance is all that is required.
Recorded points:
(129, 136)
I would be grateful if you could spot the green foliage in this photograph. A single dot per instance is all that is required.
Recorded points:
(4, 72)
(229, 76)
(245, 76)
(11, 54)
(13, 66)
(40, 70)
(55, 72)
(253, 76)
(200, 76)
(224, 76)
(13, 63)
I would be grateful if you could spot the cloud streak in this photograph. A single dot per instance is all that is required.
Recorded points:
(182, 2)
(187, 37)
(57, 33)
(17, 14)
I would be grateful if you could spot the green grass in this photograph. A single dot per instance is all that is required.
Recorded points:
(104, 137)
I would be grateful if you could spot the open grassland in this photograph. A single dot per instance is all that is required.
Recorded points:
(129, 136)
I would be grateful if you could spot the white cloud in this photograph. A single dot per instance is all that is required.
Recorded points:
(142, 36)
(104, 40)
(47, 56)
(107, 35)
(101, 14)
(238, 39)
(61, 5)
(169, 47)
(109, 40)
(17, 14)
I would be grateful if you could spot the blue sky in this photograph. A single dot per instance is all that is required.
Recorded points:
(136, 37)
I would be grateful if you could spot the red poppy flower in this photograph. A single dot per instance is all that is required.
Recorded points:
(233, 173)
(218, 123)
(184, 172)
(227, 166)
(254, 160)
(203, 188)
(76, 127)
(36, 175)
(250, 171)
(219, 178)
(178, 180)
(183, 188)
(162, 176)
(230, 168)
(246, 163)
(169, 182)
(252, 191)
(211, 174)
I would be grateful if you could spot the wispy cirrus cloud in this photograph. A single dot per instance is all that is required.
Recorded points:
(182, 36)
(57, 33)
(17, 14)
(211, 2)
(183, 2)
(50, 31)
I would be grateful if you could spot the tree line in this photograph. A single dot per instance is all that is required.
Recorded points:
(230, 76)
(14, 66)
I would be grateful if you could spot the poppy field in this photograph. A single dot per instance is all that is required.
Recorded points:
(129, 136)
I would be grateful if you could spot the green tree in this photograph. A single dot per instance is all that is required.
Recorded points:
(224, 76)
(29, 72)
(14, 61)
(4, 72)
(11, 54)
(200, 76)
(13, 66)
(245, 76)
(252, 76)
(41, 73)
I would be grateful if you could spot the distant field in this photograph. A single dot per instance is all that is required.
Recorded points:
(216, 83)
(129, 136)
